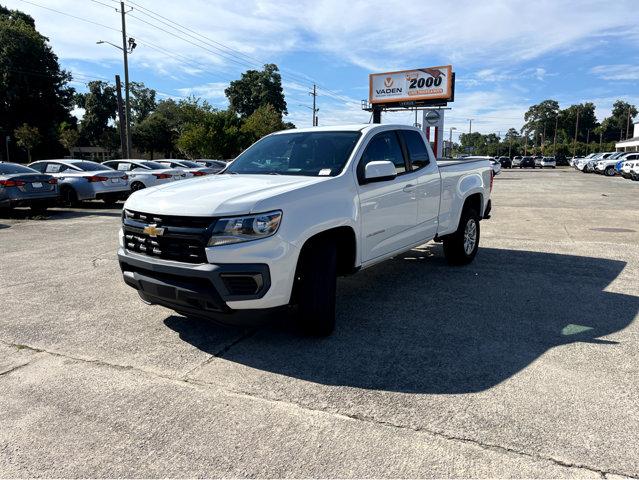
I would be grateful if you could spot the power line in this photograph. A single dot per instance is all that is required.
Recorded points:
(72, 16)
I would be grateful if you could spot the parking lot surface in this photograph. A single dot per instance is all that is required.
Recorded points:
(522, 364)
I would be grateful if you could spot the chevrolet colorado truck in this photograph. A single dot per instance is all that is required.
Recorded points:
(290, 214)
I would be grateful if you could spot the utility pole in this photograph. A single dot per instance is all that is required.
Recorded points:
(600, 139)
(315, 109)
(470, 126)
(123, 138)
(628, 125)
(574, 148)
(554, 140)
(7, 140)
(125, 52)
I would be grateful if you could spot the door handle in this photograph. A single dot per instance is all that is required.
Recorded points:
(410, 188)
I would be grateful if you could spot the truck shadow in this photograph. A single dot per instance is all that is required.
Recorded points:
(416, 325)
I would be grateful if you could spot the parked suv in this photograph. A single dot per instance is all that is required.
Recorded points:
(506, 162)
(527, 162)
(548, 162)
(85, 180)
(516, 161)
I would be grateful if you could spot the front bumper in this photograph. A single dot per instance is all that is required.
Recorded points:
(205, 290)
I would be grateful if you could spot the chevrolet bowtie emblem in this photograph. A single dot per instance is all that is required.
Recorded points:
(153, 230)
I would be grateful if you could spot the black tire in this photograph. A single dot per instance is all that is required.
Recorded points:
(609, 171)
(315, 289)
(135, 186)
(69, 197)
(455, 249)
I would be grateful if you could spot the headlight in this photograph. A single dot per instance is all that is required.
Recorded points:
(244, 229)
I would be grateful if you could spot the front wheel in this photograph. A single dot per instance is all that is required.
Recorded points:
(316, 288)
(610, 171)
(460, 248)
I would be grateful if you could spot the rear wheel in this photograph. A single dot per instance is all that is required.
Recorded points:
(460, 248)
(610, 171)
(135, 186)
(69, 196)
(315, 289)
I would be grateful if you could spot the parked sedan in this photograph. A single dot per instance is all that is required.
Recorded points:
(145, 173)
(24, 186)
(192, 169)
(516, 161)
(85, 180)
(527, 162)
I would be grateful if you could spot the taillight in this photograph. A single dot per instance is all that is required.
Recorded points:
(97, 178)
(492, 179)
(53, 181)
(12, 183)
(162, 176)
(198, 174)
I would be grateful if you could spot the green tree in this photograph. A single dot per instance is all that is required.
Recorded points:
(68, 136)
(154, 134)
(587, 120)
(255, 89)
(100, 105)
(33, 88)
(142, 101)
(540, 119)
(262, 121)
(27, 137)
(216, 135)
(614, 127)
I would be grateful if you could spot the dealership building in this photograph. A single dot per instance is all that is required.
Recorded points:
(631, 144)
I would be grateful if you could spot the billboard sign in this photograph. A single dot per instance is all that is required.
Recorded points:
(416, 86)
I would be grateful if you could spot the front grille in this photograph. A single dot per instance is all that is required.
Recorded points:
(181, 239)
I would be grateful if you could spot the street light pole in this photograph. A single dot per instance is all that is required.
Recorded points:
(125, 52)
(450, 141)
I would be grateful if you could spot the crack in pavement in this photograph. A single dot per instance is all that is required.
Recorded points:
(354, 417)
(221, 352)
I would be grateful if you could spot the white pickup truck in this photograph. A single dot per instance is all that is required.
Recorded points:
(290, 214)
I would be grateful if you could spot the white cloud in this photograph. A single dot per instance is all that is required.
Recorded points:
(213, 91)
(617, 72)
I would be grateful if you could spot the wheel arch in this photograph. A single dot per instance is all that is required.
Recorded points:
(345, 241)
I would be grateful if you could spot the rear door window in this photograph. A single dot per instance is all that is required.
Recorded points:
(416, 147)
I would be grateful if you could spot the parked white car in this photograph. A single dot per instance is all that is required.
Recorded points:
(516, 161)
(294, 211)
(145, 173)
(192, 169)
(548, 162)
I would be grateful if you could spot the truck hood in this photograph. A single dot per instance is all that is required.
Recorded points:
(215, 195)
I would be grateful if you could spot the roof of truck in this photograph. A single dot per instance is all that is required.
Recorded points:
(347, 128)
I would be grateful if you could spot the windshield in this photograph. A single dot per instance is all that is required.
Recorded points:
(8, 168)
(298, 153)
(89, 166)
(153, 165)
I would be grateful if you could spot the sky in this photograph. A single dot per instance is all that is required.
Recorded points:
(507, 54)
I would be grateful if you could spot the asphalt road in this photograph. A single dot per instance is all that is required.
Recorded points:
(523, 364)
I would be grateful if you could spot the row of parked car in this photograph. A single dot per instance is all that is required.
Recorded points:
(45, 183)
(527, 162)
(610, 164)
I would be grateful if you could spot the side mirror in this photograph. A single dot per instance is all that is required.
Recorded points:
(379, 171)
